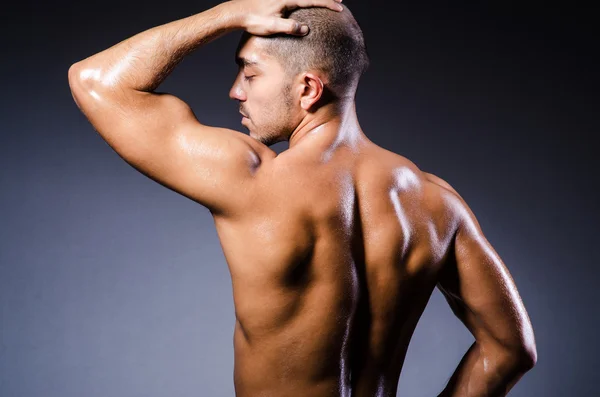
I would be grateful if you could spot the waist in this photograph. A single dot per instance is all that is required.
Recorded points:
(290, 362)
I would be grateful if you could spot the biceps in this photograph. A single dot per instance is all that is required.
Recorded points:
(482, 293)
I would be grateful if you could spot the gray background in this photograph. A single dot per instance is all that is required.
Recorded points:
(112, 285)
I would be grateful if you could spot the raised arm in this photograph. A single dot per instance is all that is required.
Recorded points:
(158, 133)
(483, 295)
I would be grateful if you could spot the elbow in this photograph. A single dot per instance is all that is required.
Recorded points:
(81, 77)
(526, 350)
(517, 359)
(82, 83)
(522, 359)
(528, 357)
(73, 75)
(74, 83)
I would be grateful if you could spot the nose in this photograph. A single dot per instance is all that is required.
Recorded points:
(236, 91)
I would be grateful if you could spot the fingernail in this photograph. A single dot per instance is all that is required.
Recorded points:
(304, 29)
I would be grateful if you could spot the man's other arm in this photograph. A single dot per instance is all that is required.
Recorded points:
(483, 295)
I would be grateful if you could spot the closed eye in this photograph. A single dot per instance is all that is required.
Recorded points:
(248, 78)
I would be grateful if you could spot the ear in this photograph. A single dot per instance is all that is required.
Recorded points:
(312, 90)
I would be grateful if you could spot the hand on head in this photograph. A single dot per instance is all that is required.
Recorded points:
(265, 17)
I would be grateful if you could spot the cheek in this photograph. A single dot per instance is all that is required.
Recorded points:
(266, 100)
(262, 101)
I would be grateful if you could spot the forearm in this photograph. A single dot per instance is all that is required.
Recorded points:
(143, 61)
(482, 373)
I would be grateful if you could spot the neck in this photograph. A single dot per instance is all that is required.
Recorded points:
(333, 123)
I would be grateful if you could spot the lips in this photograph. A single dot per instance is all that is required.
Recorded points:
(243, 114)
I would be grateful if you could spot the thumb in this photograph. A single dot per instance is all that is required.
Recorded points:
(290, 26)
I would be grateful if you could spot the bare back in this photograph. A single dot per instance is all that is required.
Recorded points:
(332, 265)
(333, 250)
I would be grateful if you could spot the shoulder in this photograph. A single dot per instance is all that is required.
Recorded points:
(455, 203)
(426, 189)
(436, 180)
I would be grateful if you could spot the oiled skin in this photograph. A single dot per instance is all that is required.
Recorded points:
(334, 246)
(332, 264)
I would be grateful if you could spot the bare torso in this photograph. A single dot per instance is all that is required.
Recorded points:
(334, 246)
(332, 263)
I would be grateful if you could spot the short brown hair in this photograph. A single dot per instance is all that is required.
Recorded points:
(334, 45)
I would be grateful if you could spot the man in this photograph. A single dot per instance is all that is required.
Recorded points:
(335, 245)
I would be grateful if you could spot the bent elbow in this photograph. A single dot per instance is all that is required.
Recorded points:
(523, 359)
(518, 360)
(529, 357)
(526, 350)
(75, 83)
(74, 75)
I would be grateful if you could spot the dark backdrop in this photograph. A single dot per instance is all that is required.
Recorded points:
(112, 285)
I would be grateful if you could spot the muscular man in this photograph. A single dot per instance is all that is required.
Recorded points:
(335, 245)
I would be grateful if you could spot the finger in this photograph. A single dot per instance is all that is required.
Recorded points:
(289, 26)
(331, 4)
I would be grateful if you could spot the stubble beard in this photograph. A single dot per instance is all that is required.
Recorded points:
(280, 128)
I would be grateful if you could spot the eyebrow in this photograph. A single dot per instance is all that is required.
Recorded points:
(241, 61)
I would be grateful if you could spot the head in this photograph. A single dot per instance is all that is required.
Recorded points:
(284, 78)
